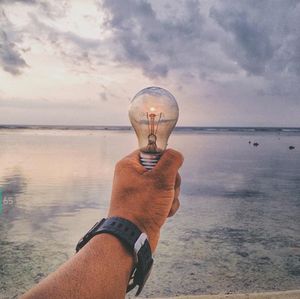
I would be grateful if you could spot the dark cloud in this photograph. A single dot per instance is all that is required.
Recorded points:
(10, 55)
(174, 37)
(265, 34)
(212, 40)
(156, 43)
(253, 48)
(11, 59)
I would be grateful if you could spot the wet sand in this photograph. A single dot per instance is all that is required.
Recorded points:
(237, 230)
(295, 294)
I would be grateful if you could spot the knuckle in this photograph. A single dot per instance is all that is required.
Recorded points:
(119, 165)
(122, 164)
(175, 155)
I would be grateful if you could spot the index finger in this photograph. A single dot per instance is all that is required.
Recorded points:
(169, 162)
(134, 160)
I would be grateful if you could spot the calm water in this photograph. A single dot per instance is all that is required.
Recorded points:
(238, 228)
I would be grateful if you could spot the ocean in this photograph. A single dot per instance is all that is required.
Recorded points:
(237, 230)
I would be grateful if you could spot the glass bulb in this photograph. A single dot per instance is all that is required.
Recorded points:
(153, 113)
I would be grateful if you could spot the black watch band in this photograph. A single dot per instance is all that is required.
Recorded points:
(133, 239)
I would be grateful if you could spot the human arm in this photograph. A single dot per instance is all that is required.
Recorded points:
(102, 268)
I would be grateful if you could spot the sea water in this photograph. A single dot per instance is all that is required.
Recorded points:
(237, 230)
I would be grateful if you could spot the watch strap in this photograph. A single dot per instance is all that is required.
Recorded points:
(135, 242)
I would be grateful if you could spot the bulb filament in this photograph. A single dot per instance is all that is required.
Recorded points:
(152, 147)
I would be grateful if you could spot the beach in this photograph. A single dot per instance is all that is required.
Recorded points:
(295, 294)
(237, 230)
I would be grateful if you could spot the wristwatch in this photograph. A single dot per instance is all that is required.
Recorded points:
(135, 241)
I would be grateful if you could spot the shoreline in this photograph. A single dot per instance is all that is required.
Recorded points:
(292, 294)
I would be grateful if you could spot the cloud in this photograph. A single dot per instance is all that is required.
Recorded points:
(265, 34)
(210, 40)
(103, 96)
(252, 47)
(221, 55)
(76, 50)
(10, 54)
(201, 39)
(44, 103)
(11, 37)
(157, 44)
(58, 37)
(16, 1)
(46, 8)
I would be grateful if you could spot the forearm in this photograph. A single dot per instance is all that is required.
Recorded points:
(101, 269)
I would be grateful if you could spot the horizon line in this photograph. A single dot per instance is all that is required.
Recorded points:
(27, 126)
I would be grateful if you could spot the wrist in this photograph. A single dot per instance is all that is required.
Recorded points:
(113, 245)
(152, 234)
(128, 238)
(108, 250)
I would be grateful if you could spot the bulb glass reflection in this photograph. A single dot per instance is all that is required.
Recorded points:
(153, 113)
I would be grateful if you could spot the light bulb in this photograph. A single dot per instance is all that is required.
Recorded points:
(153, 113)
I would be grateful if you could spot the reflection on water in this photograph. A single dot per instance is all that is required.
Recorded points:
(238, 228)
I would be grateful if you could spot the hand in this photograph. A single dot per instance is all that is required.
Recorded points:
(145, 197)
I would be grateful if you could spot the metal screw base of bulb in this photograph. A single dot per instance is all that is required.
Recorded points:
(149, 160)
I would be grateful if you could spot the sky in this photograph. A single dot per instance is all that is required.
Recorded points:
(79, 62)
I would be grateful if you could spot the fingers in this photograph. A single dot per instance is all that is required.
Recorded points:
(177, 192)
(169, 162)
(175, 206)
(176, 203)
(177, 181)
(132, 160)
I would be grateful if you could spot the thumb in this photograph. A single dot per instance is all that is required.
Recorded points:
(170, 162)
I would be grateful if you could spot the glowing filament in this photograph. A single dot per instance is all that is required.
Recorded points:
(152, 147)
